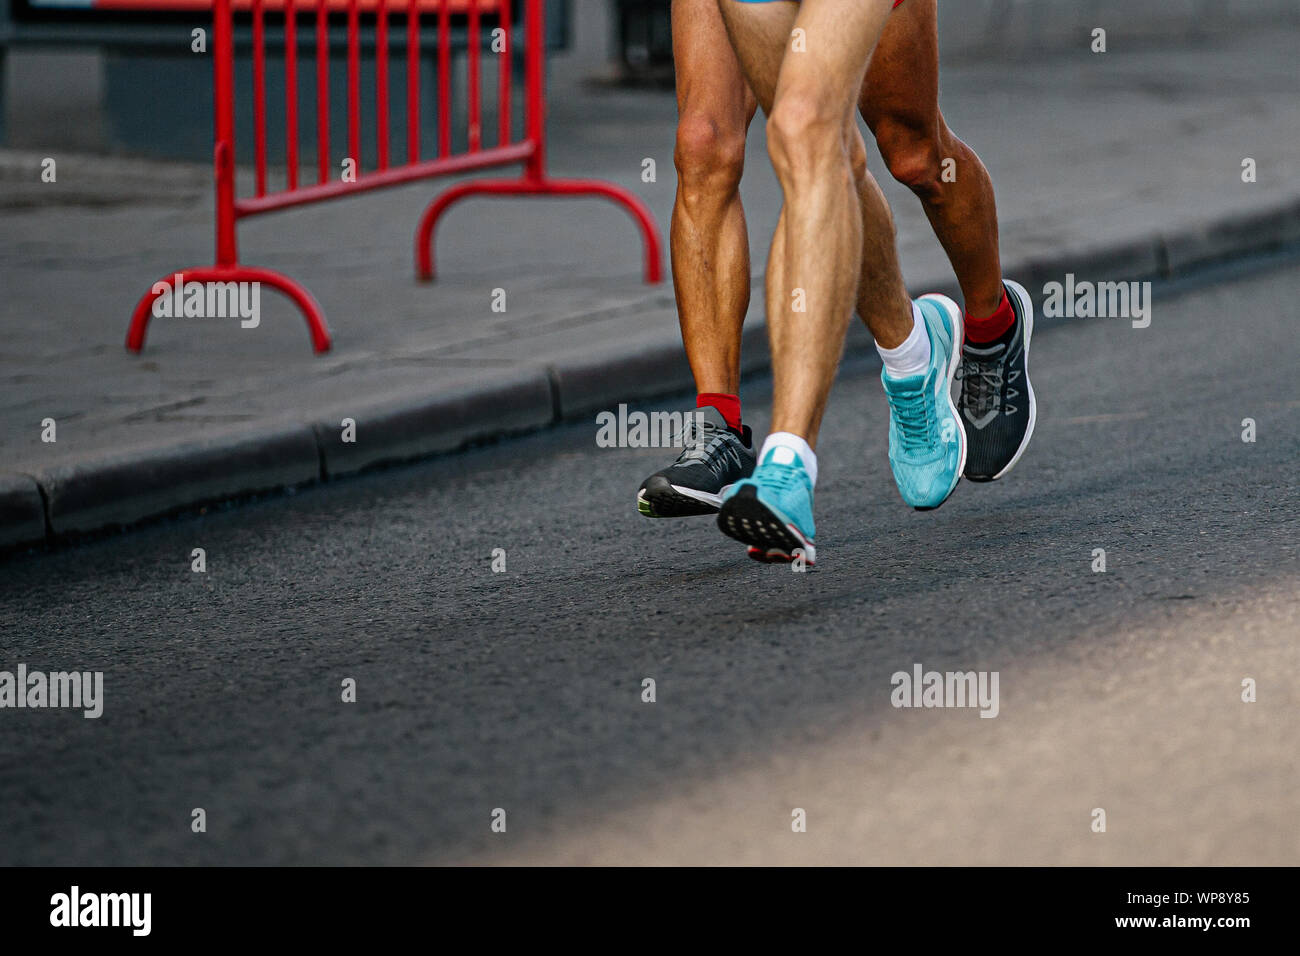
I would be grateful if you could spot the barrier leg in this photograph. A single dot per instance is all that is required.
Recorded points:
(424, 253)
(311, 310)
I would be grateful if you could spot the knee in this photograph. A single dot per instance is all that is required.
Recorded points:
(914, 157)
(709, 155)
(804, 139)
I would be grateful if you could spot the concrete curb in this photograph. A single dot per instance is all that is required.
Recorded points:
(418, 425)
(22, 510)
(127, 487)
(69, 500)
(1233, 236)
(602, 379)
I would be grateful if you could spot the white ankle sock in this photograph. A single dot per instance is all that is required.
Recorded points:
(913, 356)
(795, 444)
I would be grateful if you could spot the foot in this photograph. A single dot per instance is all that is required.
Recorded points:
(713, 458)
(997, 402)
(927, 446)
(772, 511)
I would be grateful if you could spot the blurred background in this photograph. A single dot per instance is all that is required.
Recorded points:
(125, 82)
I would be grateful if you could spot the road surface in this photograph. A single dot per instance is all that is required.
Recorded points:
(522, 690)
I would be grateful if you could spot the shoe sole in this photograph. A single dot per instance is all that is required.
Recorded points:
(659, 498)
(771, 537)
(954, 362)
(1027, 310)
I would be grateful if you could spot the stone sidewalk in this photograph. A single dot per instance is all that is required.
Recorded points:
(1115, 166)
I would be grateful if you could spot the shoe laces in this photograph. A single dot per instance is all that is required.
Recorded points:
(697, 439)
(914, 415)
(981, 378)
(781, 477)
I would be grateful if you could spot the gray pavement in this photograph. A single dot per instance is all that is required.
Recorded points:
(1119, 165)
(521, 690)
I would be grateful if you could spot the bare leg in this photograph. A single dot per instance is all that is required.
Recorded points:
(882, 299)
(809, 89)
(900, 102)
(708, 239)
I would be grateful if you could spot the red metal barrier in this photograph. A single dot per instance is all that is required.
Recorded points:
(530, 150)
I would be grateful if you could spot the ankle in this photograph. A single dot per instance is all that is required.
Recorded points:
(912, 356)
(727, 405)
(796, 444)
(992, 326)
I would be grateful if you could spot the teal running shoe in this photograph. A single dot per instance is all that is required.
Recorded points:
(772, 511)
(927, 444)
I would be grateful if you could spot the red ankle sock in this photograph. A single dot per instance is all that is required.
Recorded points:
(982, 331)
(728, 406)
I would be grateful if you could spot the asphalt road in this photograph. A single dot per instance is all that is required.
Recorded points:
(522, 690)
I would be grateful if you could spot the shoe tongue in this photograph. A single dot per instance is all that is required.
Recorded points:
(707, 413)
(907, 383)
(780, 455)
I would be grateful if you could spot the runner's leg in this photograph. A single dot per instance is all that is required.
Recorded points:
(806, 64)
(708, 239)
(900, 102)
(710, 256)
(818, 249)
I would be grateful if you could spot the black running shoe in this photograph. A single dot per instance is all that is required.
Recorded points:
(713, 458)
(997, 403)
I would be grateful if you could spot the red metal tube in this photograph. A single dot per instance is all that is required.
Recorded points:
(398, 175)
(412, 81)
(529, 150)
(310, 308)
(354, 84)
(444, 80)
(535, 106)
(322, 90)
(291, 92)
(505, 67)
(259, 95)
(475, 93)
(424, 234)
(223, 154)
(381, 81)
